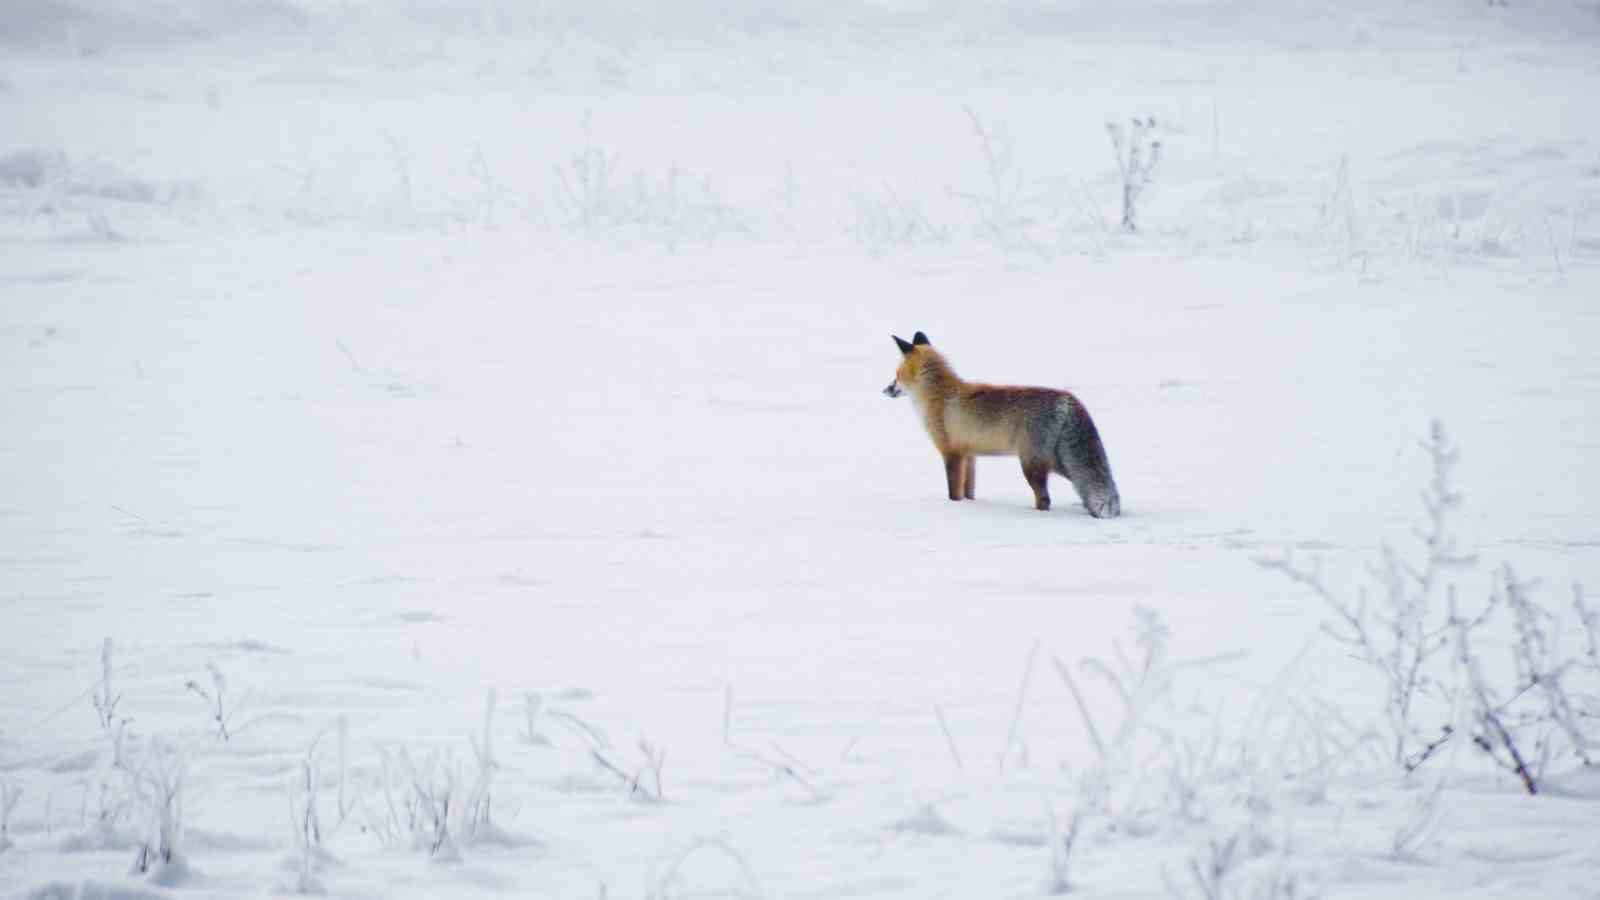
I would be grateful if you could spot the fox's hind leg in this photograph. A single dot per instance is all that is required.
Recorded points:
(970, 479)
(1038, 475)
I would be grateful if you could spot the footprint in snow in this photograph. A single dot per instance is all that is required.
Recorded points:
(1018, 838)
(419, 616)
(246, 645)
(1315, 545)
(925, 821)
(517, 579)
(78, 762)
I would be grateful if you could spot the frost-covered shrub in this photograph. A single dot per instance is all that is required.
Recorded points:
(1137, 155)
(1403, 632)
(884, 220)
(419, 801)
(305, 814)
(158, 786)
(596, 197)
(1000, 204)
(1548, 707)
(215, 699)
(1441, 677)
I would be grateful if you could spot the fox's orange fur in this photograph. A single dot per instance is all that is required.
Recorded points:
(1047, 429)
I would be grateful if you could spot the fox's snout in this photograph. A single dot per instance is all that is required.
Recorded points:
(893, 390)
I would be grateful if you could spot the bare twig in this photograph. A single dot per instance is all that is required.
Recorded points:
(1486, 713)
(105, 699)
(10, 794)
(214, 698)
(1420, 827)
(661, 884)
(950, 739)
(1062, 841)
(1016, 712)
(781, 768)
(1083, 708)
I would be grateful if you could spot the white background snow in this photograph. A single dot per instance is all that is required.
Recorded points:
(387, 354)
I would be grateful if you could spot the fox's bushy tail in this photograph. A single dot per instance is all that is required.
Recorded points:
(1080, 457)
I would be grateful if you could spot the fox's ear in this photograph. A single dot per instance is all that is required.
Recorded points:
(919, 340)
(901, 343)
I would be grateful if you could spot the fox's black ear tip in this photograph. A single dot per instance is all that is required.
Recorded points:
(919, 339)
(901, 343)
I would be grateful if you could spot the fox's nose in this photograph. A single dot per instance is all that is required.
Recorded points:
(893, 390)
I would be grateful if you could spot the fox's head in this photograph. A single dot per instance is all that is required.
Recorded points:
(914, 355)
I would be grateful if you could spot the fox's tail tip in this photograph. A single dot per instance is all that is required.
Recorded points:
(1105, 507)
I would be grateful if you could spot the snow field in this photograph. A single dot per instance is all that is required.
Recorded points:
(331, 362)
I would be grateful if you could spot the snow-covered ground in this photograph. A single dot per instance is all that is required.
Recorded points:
(381, 357)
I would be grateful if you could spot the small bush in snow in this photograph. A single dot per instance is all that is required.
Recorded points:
(477, 825)
(433, 806)
(393, 821)
(216, 703)
(587, 187)
(999, 205)
(1547, 709)
(1143, 685)
(652, 759)
(305, 814)
(434, 794)
(1438, 678)
(672, 208)
(1212, 873)
(105, 698)
(158, 786)
(307, 825)
(1403, 635)
(884, 220)
(1137, 157)
(113, 791)
(1217, 872)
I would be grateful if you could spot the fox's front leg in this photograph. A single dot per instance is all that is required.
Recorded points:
(970, 478)
(955, 474)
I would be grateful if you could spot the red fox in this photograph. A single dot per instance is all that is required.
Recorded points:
(1049, 430)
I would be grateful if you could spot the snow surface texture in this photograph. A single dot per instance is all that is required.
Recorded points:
(464, 422)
